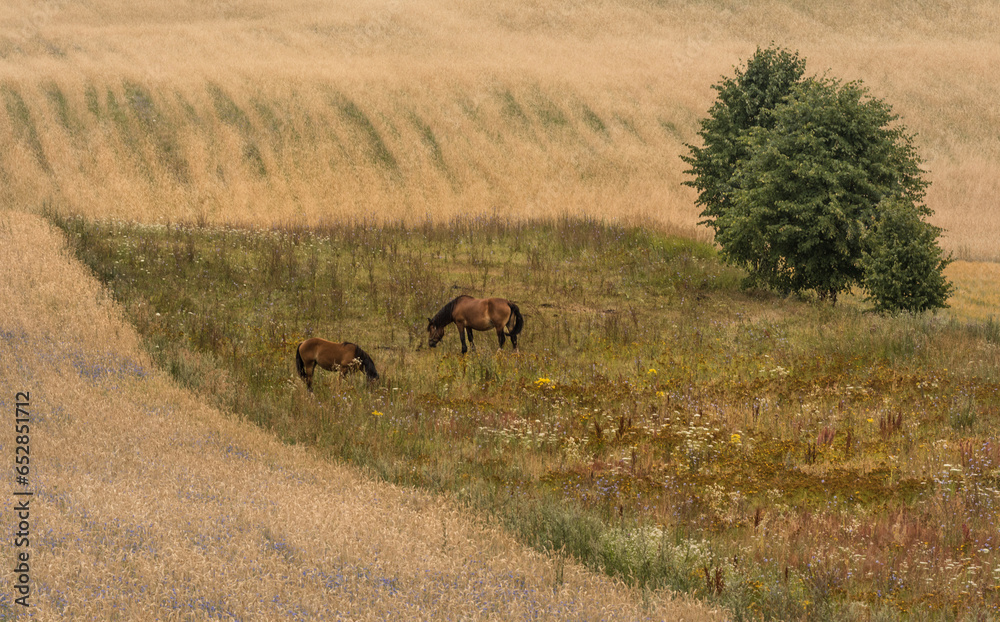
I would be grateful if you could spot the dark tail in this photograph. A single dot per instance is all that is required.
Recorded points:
(366, 362)
(299, 365)
(518, 320)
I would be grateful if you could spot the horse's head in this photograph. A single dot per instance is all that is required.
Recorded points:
(434, 333)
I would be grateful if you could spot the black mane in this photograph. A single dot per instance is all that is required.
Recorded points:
(366, 361)
(444, 317)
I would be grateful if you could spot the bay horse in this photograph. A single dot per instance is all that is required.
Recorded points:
(470, 314)
(343, 357)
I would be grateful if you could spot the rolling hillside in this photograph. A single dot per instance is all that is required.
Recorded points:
(365, 160)
(264, 112)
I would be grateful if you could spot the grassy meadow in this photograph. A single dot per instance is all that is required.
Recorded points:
(150, 504)
(236, 176)
(781, 458)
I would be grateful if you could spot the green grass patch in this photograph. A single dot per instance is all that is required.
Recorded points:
(128, 133)
(279, 129)
(155, 125)
(93, 100)
(378, 152)
(60, 105)
(629, 126)
(550, 115)
(430, 141)
(24, 126)
(511, 109)
(231, 114)
(592, 120)
(786, 459)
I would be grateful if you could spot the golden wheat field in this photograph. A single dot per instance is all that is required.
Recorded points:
(151, 505)
(263, 112)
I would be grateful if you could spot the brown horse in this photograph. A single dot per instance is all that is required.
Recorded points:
(470, 314)
(331, 356)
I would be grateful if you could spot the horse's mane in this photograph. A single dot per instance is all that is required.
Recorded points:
(366, 361)
(443, 317)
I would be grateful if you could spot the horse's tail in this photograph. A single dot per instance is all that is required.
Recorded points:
(515, 314)
(366, 362)
(299, 365)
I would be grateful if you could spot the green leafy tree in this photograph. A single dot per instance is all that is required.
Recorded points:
(743, 103)
(802, 206)
(903, 265)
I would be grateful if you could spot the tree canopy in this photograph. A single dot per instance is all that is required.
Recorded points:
(805, 179)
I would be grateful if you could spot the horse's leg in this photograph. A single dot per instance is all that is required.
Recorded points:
(501, 337)
(513, 342)
(309, 377)
(461, 335)
(472, 344)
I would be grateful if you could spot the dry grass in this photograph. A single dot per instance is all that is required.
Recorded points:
(517, 108)
(150, 505)
(977, 290)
